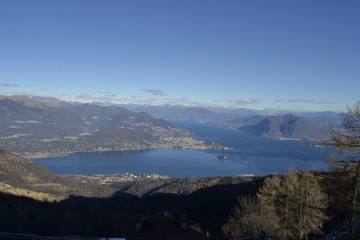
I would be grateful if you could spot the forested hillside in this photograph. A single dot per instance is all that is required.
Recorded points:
(42, 127)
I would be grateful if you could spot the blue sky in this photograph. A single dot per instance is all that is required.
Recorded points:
(298, 55)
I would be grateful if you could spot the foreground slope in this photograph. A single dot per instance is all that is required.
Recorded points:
(22, 177)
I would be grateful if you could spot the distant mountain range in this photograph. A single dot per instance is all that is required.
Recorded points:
(181, 113)
(230, 117)
(280, 125)
(43, 126)
(244, 121)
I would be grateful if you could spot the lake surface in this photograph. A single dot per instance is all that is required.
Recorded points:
(250, 155)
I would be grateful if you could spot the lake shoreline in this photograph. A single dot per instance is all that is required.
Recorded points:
(66, 154)
(246, 154)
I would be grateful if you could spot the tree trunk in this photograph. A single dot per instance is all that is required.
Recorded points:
(301, 212)
(286, 216)
(353, 213)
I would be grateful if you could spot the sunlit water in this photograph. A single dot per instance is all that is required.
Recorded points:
(250, 155)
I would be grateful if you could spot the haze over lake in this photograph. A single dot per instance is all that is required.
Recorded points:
(249, 155)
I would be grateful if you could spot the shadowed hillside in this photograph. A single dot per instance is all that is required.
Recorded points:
(36, 201)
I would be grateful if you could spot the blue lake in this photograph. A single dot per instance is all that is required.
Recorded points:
(250, 155)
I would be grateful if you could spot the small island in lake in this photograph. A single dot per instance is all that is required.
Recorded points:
(222, 157)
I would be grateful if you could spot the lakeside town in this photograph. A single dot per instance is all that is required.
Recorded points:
(108, 179)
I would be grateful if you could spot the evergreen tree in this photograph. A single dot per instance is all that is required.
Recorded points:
(345, 161)
(312, 203)
(298, 202)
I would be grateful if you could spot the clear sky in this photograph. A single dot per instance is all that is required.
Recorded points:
(300, 55)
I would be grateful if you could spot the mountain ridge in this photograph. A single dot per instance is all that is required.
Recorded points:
(37, 128)
(286, 127)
